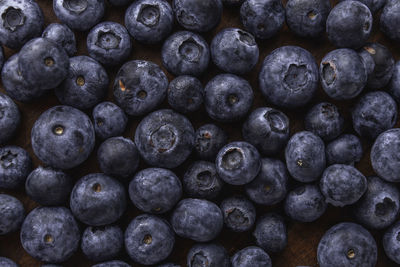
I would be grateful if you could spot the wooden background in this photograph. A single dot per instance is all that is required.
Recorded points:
(303, 237)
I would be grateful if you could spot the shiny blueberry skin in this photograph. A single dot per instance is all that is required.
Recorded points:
(239, 213)
(149, 239)
(346, 149)
(79, 15)
(208, 141)
(251, 257)
(234, 51)
(63, 137)
(109, 120)
(325, 121)
(102, 243)
(98, 199)
(238, 163)
(50, 234)
(393, 86)
(349, 24)
(197, 219)
(210, 255)
(228, 97)
(198, 15)
(149, 21)
(15, 166)
(155, 190)
(270, 233)
(391, 242)
(390, 19)
(263, 18)
(12, 214)
(6, 262)
(118, 157)
(10, 118)
(20, 21)
(185, 94)
(342, 185)
(48, 186)
(185, 53)
(165, 138)
(289, 77)
(114, 263)
(305, 156)
(62, 35)
(343, 73)
(347, 244)
(139, 87)
(86, 84)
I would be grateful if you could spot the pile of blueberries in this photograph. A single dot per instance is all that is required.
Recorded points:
(303, 171)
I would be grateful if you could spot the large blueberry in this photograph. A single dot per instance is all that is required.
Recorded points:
(391, 242)
(346, 149)
(239, 213)
(210, 255)
(251, 257)
(271, 233)
(15, 166)
(393, 85)
(12, 214)
(10, 118)
(185, 94)
(62, 35)
(6, 262)
(390, 19)
(208, 141)
(109, 120)
(373, 5)
(114, 263)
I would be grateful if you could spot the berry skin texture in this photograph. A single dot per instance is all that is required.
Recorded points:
(139, 87)
(346, 149)
(98, 199)
(347, 244)
(149, 239)
(12, 214)
(63, 137)
(62, 35)
(393, 86)
(228, 98)
(15, 166)
(10, 118)
(1, 57)
(149, 21)
(391, 243)
(239, 213)
(50, 234)
(185, 94)
(234, 51)
(109, 120)
(114, 263)
(342, 185)
(251, 257)
(305, 156)
(238, 163)
(155, 190)
(197, 219)
(349, 24)
(210, 255)
(390, 20)
(373, 5)
(6, 262)
(270, 233)
(169, 265)
(164, 138)
(343, 74)
(208, 141)
(289, 77)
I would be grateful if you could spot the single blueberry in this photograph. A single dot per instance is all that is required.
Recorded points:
(393, 86)
(15, 166)
(391, 242)
(210, 255)
(239, 213)
(114, 263)
(251, 257)
(10, 118)
(12, 214)
(185, 94)
(271, 233)
(208, 141)
(6, 262)
(62, 35)
(346, 149)
(390, 19)
(373, 5)
(109, 120)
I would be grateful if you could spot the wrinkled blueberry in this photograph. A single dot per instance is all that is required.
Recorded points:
(346, 149)
(208, 141)
(251, 257)
(62, 35)
(390, 19)
(12, 214)
(270, 233)
(185, 94)
(391, 242)
(239, 213)
(210, 255)
(109, 120)
(10, 118)
(15, 166)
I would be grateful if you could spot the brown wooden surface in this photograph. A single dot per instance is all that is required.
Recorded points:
(303, 238)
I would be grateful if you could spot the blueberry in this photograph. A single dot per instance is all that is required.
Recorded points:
(239, 213)
(390, 20)
(373, 5)
(228, 98)
(391, 242)
(102, 243)
(120, 2)
(79, 15)
(201, 180)
(251, 257)
(207, 255)
(342, 185)
(270, 233)
(139, 87)
(349, 24)
(343, 73)
(118, 157)
(114, 263)
(20, 21)
(149, 21)
(10, 118)
(238, 163)
(325, 121)
(63, 137)
(86, 84)
(155, 190)
(289, 77)
(208, 141)
(347, 244)
(270, 185)
(109, 43)
(232, 2)
(50, 234)
(149, 239)
(197, 219)
(43, 63)
(164, 138)
(1, 57)
(346, 149)
(185, 94)
(305, 156)
(263, 18)
(62, 35)
(379, 206)
(185, 53)
(15, 166)
(6, 262)
(12, 214)
(198, 15)
(48, 186)
(234, 50)
(307, 18)
(393, 85)
(109, 120)
(169, 265)
(98, 199)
